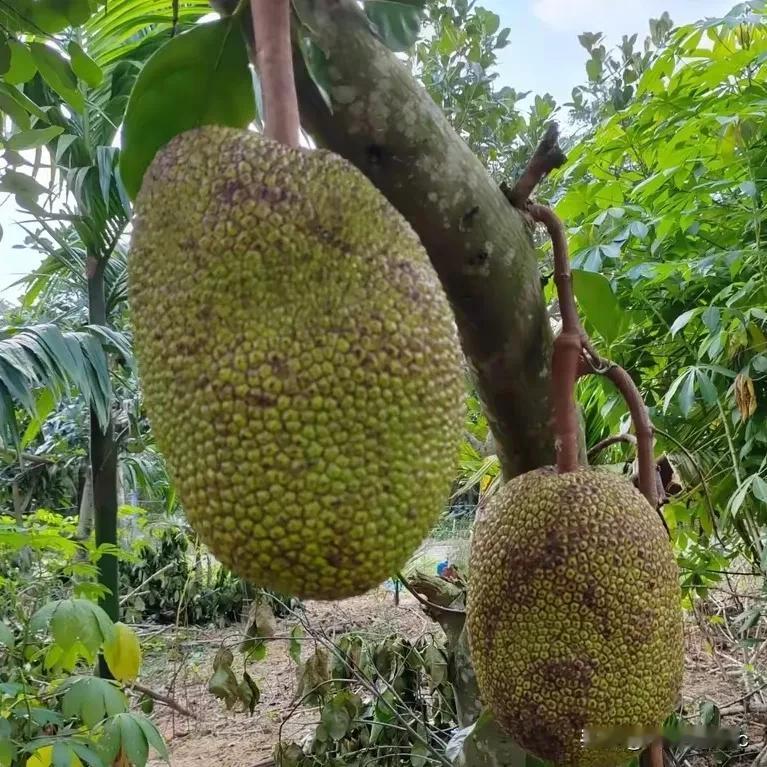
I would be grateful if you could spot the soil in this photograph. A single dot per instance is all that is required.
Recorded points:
(178, 663)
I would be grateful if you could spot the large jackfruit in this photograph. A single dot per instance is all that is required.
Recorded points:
(574, 615)
(301, 366)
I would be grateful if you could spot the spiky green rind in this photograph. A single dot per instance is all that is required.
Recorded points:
(574, 614)
(300, 362)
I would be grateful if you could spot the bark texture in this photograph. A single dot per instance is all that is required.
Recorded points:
(383, 121)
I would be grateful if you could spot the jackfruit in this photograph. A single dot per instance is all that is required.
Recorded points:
(574, 616)
(300, 362)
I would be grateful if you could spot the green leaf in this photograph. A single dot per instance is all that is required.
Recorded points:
(707, 388)
(598, 302)
(5, 54)
(683, 320)
(57, 72)
(594, 69)
(153, 736)
(30, 139)
(23, 67)
(74, 622)
(44, 405)
(91, 700)
(13, 95)
(248, 692)
(759, 489)
(84, 66)
(712, 318)
(687, 394)
(7, 750)
(9, 106)
(130, 736)
(21, 185)
(749, 189)
(759, 363)
(198, 78)
(296, 633)
(76, 11)
(336, 718)
(223, 683)
(317, 66)
(397, 22)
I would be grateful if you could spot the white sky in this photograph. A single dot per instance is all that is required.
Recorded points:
(544, 56)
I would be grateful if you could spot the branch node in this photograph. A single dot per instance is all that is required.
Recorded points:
(547, 157)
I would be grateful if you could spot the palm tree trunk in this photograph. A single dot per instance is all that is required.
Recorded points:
(103, 452)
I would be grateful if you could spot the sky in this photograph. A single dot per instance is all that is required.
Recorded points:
(544, 56)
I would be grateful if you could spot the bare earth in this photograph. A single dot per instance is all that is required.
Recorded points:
(178, 662)
(181, 666)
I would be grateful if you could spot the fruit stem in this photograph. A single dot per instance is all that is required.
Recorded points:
(648, 482)
(274, 61)
(567, 345)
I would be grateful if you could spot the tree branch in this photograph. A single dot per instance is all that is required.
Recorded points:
(383, 121)
(615, 439)
(164, 699)
(548, 156)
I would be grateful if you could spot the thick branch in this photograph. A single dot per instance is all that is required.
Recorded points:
(384, 122)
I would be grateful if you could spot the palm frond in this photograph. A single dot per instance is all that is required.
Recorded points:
(45, 357)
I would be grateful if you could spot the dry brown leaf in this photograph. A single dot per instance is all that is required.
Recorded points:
(745, 396)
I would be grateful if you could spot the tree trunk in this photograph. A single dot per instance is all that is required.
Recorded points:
(385, 123)
(85, 516)
(103, 454)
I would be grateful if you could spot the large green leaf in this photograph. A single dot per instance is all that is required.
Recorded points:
(84, 66)
(198, 78)
(91, 700)
(31, 139)
(22, 65)
(599, 303)
(133, 735)
(57, 72)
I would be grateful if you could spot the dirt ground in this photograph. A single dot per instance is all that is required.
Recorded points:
(178, 662)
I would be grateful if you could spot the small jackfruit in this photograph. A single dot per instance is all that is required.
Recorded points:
(574, 616)
(300, 362)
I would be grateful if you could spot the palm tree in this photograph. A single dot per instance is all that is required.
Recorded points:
(66, 92)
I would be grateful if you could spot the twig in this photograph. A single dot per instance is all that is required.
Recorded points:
(743, 698)
(164, 699)
(274, 60)
(130, 594)
(615, 439)
(546, 158)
